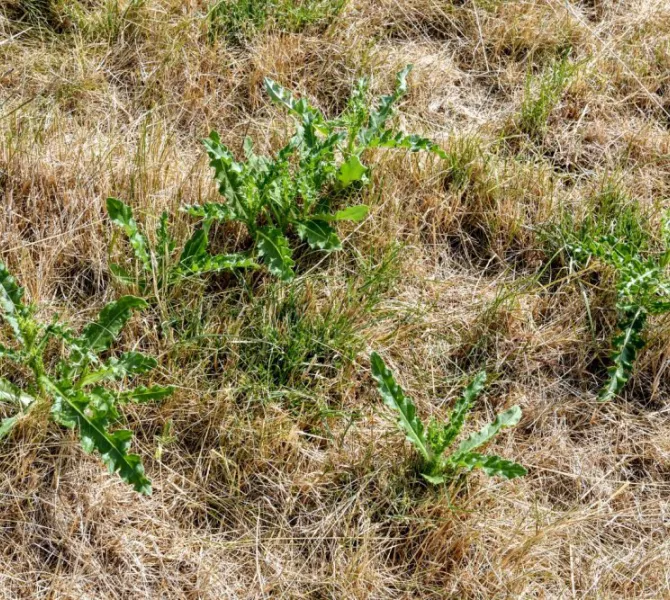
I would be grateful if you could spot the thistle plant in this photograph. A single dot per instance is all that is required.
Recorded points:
(642, 290)
(163, 265)
(74, 387)
(433, 441)
(294, 191)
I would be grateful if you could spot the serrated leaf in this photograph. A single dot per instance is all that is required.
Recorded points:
(99, 335)
(218, 262)
(272, 246)
(229, 173)
(132, 363)
(226, 262)
(353, 213)
(379, 117)
(319, 235)
(351, 171)
(258, 165)
(122, 215)
(491, 464)
(211, 211)
(300, 108)
(405, 409)
(508, 418)
(142, 394)
(11, 301)
(11, 354)
(412, 143)
(92, 413)
(165, 243)
(195, 248)
(311, 120)
(442, 438)
(129, 363)
(279, 94)
(625, 348)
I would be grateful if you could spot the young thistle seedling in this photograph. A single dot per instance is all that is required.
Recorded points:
(432, 442)
(162, 266)
(74, 387)
(642, 290)
(293, 191)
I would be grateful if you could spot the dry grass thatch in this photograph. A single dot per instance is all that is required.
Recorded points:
(297, 484)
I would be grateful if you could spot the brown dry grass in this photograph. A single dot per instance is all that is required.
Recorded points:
(306, 490)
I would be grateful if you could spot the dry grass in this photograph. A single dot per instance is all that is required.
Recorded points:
(292, 482)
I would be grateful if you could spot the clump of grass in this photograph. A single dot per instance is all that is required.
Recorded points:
(291, 343)
(238, 21)
(462, 159)
(290, 339)
(542, 94)
(96, 21)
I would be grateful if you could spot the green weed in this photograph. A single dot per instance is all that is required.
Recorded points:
(642, 288)
(433, 441)
(293, 192)
(73, 386)
(157, 268)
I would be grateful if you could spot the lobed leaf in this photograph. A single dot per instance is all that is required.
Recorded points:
(165, 243)
(211, 211)
(195, 248)
(625, 348)
(272, 246)
(491, 464)
(129, 363)
(122, 215)
(509, 418)
(413, 143)
(12, 393)
(379, 117)
(352, 213)
(98, 336)
(395, 398)
(279, 94)
(441, 439)
(11, 302)
(209, 263)
(11, 354)
(319, 235)
(92, 413)
(143, 394)
(7, 424)
(351, 171)
(230, 174)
